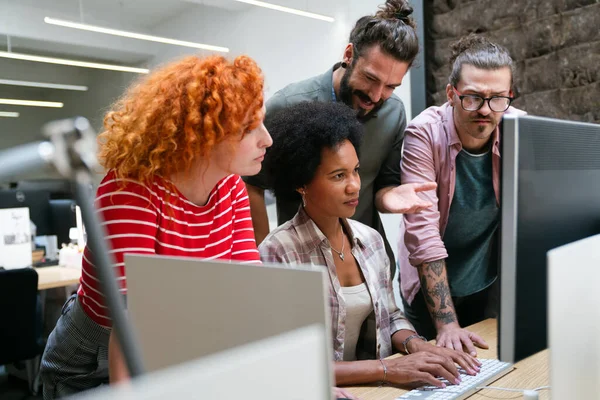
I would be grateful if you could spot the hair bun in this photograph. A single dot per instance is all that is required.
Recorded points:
(469, 42)
(397, 10)
(404, 15)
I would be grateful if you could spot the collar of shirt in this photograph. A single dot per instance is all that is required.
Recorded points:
(309, 232)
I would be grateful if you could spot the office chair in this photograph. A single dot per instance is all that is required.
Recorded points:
(21, 333)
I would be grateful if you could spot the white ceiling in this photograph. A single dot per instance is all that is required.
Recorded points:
(31, 35)
(23, 22)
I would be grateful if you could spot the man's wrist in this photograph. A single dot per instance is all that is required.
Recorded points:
(449, 326)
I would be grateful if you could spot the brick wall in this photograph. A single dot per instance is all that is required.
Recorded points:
(555, 44)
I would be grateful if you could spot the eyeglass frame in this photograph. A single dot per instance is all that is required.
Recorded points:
(484, 100)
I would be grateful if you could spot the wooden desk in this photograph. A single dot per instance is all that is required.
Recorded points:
(530, 373)
(54, 277)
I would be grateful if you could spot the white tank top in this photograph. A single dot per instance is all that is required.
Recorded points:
(358, 308)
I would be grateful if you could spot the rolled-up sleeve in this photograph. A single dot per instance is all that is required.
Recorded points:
(422, 236)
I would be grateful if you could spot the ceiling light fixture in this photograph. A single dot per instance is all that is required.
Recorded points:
(133, 35)
(74, 63)
(9, 114)
(43, 85)
(32, 103)
(287, 10)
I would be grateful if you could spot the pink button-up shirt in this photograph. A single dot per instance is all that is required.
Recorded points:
(431, 145)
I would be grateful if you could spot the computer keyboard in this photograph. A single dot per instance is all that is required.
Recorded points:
(490, 371)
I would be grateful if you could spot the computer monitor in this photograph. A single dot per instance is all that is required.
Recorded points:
(38, 202)
(287, 366)
(183, 309)
(550, 196)
(574, 319)
(58, 188)
(63, 217)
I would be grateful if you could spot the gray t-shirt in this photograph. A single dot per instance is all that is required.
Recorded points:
(471, 235)
(380, 151)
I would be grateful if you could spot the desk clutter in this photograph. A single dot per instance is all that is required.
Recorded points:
(40, 225)
(70, 256)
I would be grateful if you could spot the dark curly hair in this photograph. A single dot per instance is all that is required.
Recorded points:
(300, 132)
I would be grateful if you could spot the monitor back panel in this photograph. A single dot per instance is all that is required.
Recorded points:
(184, 308)
(550, 197)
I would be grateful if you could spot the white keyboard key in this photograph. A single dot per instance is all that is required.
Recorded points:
(490, 371)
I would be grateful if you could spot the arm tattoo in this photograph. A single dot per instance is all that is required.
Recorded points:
(445, 317)
(442, 291)
(437, 267)
(428, 299)
(436, 291)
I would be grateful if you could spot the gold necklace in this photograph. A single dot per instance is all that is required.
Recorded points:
(340, 253)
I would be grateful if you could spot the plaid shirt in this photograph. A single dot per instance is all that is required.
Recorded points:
(300, 242)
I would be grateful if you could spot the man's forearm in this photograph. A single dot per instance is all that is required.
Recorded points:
(436, 290)
(258, 210)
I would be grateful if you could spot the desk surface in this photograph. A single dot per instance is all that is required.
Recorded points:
(529, 373)
(53, 277)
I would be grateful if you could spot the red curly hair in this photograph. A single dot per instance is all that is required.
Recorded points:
(178, 113)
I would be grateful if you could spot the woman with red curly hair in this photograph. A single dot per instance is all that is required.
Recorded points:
(174, 147)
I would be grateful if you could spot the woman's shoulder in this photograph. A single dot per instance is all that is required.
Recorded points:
(364, 233)
(112, 183)
(282, 237)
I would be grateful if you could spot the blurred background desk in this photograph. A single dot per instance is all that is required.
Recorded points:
(530, 373)
(54, 277)
(55, 285)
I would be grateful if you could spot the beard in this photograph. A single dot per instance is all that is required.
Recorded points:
(347, 91)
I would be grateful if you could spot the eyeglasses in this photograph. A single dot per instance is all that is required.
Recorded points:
(473, 102)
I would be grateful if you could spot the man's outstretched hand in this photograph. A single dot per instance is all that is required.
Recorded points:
(404, 199)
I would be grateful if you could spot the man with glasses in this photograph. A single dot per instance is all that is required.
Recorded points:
(448, 258)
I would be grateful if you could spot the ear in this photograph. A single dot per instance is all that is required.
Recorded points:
(450, 94)
(348, 53)
(301, 190)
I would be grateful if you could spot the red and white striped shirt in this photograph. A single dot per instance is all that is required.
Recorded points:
(153, 220)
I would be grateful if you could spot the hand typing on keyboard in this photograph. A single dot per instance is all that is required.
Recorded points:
(491, 370)
(467, 362)
(436, 367)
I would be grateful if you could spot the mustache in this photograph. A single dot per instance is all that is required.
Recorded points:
(480, 117)
(365, 98)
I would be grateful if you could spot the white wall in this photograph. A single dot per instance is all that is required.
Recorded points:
(287, 47)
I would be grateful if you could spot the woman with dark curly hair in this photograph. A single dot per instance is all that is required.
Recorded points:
(314, 158)
(174, 146)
